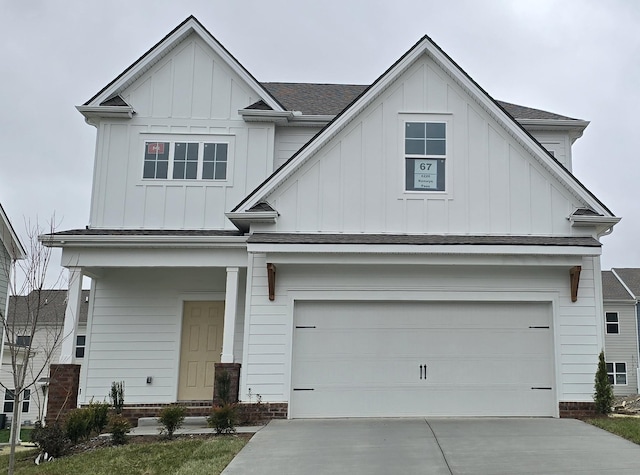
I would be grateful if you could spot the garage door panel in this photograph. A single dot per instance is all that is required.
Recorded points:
(364, 359)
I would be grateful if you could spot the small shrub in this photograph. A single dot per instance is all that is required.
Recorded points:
(223, 419)
(171, 418)
(117, 396)
(119, 427)
(99, 415)
(51, 439)
(77, 425)
(603, 395)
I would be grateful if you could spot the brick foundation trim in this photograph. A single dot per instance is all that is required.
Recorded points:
(248, 413)
(64, 381)
(577, 410)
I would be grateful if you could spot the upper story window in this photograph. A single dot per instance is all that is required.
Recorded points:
(81, 341)
(182, 160)
(612, 323)
(23, 340)
(425, 149)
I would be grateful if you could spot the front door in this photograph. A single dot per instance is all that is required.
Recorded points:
(200, 348)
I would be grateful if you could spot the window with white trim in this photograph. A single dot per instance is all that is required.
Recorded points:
(617, 373)
(425, 150)
(23, 340)
(185, 160)
(9, 398)
(80, 345)
(612, 323)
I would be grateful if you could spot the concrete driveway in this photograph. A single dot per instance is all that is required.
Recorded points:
(435, 446)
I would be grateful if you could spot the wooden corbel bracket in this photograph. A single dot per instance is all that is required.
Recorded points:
(574, 275)
(271, 279)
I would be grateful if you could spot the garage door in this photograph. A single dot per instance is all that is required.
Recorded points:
(395, 359)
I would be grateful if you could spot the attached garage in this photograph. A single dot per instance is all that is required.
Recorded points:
(396, 359)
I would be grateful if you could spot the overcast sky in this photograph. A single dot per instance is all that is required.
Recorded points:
(578, 58)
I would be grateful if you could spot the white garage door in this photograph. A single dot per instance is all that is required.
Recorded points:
(394, 359)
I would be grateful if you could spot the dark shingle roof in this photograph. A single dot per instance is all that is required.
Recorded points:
(631, 278)
(114, 101)
(331, 99)
(53, 304)
(421, 239)
(612, 289)
(585, 212)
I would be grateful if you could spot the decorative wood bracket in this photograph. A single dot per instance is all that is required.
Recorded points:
(271, 279)
(574, 274)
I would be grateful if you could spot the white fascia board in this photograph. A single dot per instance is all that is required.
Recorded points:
(581, 221)
(9, 237)
(427, 249)
(106, 241)
(619, 302)
(257, 115)
(106, 112)
(163, 48)
(95, 259)
(423, 259)
(575, 127)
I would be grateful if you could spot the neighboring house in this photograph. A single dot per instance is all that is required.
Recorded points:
(620, 333)
(408, 248)
(45, 346)
(10, 248)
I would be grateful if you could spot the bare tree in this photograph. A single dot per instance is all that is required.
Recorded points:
(32, 335)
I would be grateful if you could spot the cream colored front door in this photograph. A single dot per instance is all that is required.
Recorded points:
(200, 348)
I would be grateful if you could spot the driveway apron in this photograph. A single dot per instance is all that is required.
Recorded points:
(435, 446)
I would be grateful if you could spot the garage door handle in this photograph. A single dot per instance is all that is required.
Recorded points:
(425, 371)
(545, 388)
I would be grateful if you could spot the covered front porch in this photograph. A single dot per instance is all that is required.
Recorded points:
(162, 314)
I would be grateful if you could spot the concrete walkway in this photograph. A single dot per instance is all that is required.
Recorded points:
(435, 446)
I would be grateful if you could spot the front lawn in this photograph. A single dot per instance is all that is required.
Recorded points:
(25, 435)
(179, 457)
(627, 427)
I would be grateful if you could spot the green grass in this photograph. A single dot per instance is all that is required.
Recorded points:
(25, 435)
(627, 427)
(199, 456)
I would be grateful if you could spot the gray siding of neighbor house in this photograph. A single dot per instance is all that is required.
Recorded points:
(621, 347)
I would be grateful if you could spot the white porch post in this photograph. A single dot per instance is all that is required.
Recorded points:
(230, 308)
(71, 315)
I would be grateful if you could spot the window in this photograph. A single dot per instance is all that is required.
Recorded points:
(617, 373)
(186, 160)
(613, 326)
(156, 160)
(9, 398)
(80, 344)
(425, 149)
(23, 340)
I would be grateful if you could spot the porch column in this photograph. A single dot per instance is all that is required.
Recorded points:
(71, 315)
(230, 308)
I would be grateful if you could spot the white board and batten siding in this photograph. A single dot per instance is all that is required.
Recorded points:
(191, 94)
(355, 182)
(137, 316)
(623, 346)
(270, 333)
(289, 140)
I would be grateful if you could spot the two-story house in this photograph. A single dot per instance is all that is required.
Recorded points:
(43, 338)
(412, 247)
(621, 293)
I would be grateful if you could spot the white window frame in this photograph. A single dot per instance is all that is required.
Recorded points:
(201, 140)
(615, 373)
(26, 401)
(607, 323)
(445, 118)
(79, 346)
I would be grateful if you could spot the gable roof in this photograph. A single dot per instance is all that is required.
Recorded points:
(495, 109)
(107, 96)
(630, 278)
(9, 238)
(53, 304)
(331, 99)
(612, 288)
